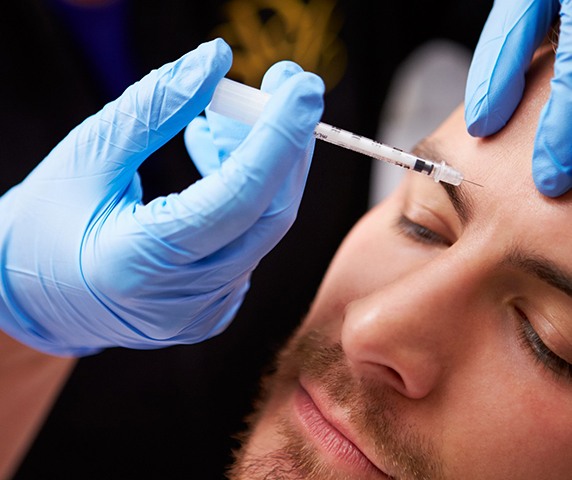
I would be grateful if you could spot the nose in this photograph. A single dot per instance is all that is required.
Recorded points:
(408, 333)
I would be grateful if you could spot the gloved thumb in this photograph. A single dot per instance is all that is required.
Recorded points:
(495, 82)
(552, 158)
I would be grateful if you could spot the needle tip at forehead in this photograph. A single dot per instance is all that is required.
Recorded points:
(473, 183)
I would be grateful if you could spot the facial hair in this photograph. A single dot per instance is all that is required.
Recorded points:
(370, 410)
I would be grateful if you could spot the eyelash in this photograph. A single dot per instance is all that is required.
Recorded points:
(528, 337)
(419, 233)
(542, 354)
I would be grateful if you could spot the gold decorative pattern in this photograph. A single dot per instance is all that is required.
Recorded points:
(262, 32)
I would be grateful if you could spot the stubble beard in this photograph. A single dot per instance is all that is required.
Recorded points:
(371, 411)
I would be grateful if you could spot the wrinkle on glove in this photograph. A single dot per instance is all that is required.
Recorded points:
(85, 265)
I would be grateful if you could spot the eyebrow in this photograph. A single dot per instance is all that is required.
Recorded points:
(459, 197)
(535, 265)
(541, 268)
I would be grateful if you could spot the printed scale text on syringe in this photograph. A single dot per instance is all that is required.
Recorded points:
(343, 138)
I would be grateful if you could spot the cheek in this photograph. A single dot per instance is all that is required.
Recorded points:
(492, 411)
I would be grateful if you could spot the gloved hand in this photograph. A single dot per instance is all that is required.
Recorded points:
(86, 265)
(513, 31)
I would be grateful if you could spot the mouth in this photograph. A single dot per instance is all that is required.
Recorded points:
(332, 438)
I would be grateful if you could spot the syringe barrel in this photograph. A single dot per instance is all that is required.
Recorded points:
(245, 104)
(238, 101)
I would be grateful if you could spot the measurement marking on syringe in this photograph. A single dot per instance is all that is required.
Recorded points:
(245, 104)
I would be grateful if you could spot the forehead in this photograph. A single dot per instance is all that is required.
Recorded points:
(502, 164)
(506, 155)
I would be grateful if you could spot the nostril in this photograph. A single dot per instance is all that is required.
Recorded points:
(409, 386)
(387, 374)
(393, 378)
(393, 373)
(391, 344)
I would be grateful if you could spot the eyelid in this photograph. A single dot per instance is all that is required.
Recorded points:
(536, 346)
(550, 335)
(425, 199)
(433, 212)
(420, 233)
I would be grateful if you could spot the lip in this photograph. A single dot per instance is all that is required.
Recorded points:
(332, 438)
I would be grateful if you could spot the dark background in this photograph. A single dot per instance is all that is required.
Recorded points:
(171, 413)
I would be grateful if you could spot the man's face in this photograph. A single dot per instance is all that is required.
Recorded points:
(440, 342)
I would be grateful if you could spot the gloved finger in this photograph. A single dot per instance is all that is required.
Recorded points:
(552, 157)
(285, 203)
(225, 133)
(228, 133)
(113, 143)
(207, 148)
(201, 147)
(222, 206)
(277, 74)
(242, 254)
(495, 82)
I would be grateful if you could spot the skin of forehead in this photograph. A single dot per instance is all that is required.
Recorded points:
(509, 202)
(503, 162)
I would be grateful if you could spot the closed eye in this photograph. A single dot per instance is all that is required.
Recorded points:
(541, 353)
(420, 233)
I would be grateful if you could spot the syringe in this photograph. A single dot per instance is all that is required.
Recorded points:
(244, 103)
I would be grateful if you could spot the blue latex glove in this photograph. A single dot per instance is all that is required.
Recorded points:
(86, 265)
(211, 140)
(513, 31)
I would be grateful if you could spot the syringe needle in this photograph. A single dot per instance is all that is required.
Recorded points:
(244, 104)
(473, 183)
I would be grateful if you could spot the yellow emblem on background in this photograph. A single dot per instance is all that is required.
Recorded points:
(262, 32)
